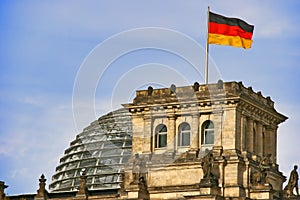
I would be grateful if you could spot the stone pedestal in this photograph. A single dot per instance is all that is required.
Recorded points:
(261, 191)
(132, 190)
(292, 198)
(209, 186)
(205, 197)
(209, 190)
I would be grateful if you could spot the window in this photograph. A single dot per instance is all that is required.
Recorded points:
(161, 136)
(184, 134)
(208, 132)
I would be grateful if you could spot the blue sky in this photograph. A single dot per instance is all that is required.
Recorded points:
(47, 45)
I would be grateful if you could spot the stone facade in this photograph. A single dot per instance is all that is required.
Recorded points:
(235, 124)
(216, 141)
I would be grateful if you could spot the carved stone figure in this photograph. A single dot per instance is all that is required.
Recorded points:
(207, 164)
(220, 84)
(293, 182)
(143, 168)
(136, 168)
(82, 189)
(143, 193)
(139, 168)
(266, 161)
(196, 86)
(173, 89)
(264, 165)
(150, 90)
(260, 177)
(2, 187)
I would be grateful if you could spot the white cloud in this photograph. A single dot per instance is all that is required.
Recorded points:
(34, 101)
(19, 172)
(34, 141)
(43, 127)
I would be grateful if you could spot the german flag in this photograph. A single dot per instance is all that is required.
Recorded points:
(229, 31)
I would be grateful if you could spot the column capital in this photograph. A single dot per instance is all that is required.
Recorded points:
(195, 115)
(271, 127)
(259, 124)
(250, 118)
(171, 117)
(147, 117)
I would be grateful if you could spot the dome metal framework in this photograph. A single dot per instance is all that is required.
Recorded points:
(101, 150)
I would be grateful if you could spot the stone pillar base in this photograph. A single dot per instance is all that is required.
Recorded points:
(205, 197)
(292, 198)
(209, 186)
(261, 192)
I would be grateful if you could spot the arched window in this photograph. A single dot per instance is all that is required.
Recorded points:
(161, 136)
(208, 132)
(184, 130)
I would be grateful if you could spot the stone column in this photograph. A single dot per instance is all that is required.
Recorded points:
(254, 133)
(264, 141)
(137, 133)
(243, 133)
(147, 147)
(268, 141)
(221, 170)
(273, 144)
(246, 178)
(171, 133)
(219, 127)
(259, 139)
(249, 133)
(200, 135)
(195, 143)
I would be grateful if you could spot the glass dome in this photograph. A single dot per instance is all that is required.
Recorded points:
(101, 150)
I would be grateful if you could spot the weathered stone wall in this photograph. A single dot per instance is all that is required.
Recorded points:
(245, 128)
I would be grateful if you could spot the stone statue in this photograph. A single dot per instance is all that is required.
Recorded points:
(260, 177)
(82, 189)
(139, 168)
(2, 187)
(143, 168)
(207, 164)
(293, 182)
(209, 178)
(150, 90)
(264, 165)
(136, 168)
(266, 161)
(143, 193)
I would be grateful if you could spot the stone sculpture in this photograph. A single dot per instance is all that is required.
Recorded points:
(293, 182)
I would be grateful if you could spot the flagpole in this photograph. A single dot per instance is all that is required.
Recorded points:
(207, 48)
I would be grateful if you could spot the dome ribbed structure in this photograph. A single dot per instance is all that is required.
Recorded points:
(101, 150)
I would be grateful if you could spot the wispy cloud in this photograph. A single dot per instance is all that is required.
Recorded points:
(43, 45)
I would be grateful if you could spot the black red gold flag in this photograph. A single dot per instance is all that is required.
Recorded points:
(229, 31)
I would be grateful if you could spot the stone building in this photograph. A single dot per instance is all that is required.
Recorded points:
(216, 141)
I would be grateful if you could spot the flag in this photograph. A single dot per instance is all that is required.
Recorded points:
(229, 31)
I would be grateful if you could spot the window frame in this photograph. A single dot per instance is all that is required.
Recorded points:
(206, 129)
(181, 132)
(159, 134)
